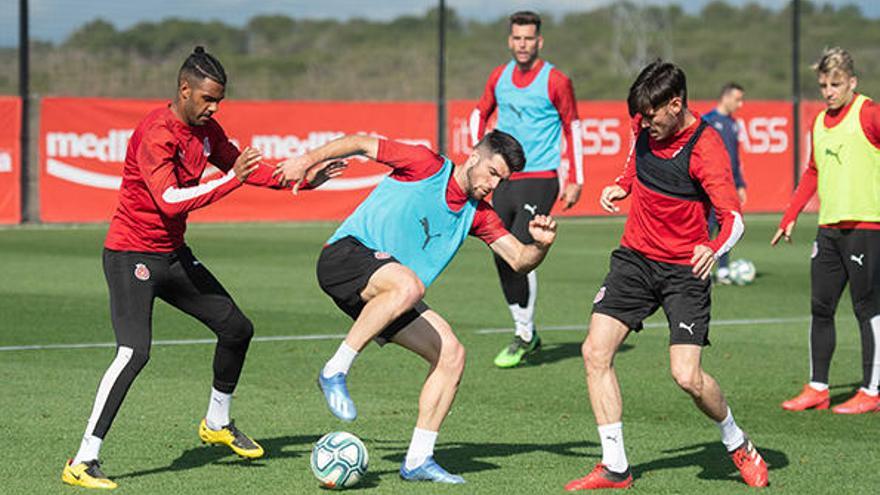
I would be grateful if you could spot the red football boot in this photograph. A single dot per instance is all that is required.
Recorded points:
(750, 464)
(601, 477)
(859, 404)
(809, 398)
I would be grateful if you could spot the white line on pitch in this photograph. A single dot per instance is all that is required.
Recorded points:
(339, 336)
(720, 323)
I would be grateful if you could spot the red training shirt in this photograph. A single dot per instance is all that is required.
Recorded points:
(869, 117)
(667, 229)
(164, 163)
(414, 163)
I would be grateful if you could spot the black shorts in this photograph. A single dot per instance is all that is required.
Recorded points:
(344, 269)
(518, 201)
(636, 287)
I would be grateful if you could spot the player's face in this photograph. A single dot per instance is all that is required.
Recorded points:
(200, 100)
(837, 88)
(524, 43)
(484, 174)
(732, 100)
(663, 121)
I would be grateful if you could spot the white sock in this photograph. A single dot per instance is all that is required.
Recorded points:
(218, 410)
(341, 361)
(821, 387)
(88, 449)
(731, 435)
(420, 447)
(613, 454)
(524, 317)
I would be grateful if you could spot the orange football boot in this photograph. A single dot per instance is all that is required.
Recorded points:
(601, 477)
(751, 465)
(809, 398)
(859, 404)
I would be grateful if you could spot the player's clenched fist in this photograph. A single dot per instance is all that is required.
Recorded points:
(543, 229)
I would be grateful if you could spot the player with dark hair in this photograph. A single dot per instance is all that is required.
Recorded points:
(378, 264)
(677, 170)
(535, 104)
(145, 256)
(721, 118)
(845, 170)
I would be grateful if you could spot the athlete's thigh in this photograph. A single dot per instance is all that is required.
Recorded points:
(193, 289)
(606, 333)
(131, 282)
(684, 359)
(504, 202)
(426, 336)
(627, 293)
(828, 275)
(532, 197)
(687, 302)
(861, 255)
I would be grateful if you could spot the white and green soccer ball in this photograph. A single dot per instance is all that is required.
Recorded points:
(339, 460)
(742, 272)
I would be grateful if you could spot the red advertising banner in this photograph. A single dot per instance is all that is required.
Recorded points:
(765, 149)
(10, 160)
(83, 143)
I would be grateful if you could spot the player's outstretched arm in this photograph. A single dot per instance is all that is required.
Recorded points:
(523, 258)
(293, 170)
(610, 195)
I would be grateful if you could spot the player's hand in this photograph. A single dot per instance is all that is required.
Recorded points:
(325, 171)
(293, 171)
(570, 195)
(783, 233)
(703, 261)
(743, 197)
(611, 194)
(246, 163)
(542, 228)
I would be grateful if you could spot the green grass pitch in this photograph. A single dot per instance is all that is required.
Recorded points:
(526, 430)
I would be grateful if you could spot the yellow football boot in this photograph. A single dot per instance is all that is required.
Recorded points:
(233, 438)
(86, 474)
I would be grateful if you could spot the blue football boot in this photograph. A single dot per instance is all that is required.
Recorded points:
(429, 471)
(336, 393)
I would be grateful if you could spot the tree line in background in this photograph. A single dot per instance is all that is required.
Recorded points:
(277, 57)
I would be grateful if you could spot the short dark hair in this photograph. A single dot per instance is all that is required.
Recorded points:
(502, 143)
(728, 87)
(200, 65)
(526, 18)
(658, 83)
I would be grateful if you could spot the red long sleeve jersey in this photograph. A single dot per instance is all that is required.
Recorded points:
(164, 163)
(665, 228)
(869, 118)
(561, 94)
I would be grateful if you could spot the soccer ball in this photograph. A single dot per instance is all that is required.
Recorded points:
(339, 460)
(742, 272)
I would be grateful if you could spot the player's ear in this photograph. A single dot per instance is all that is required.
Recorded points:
(853, 82)
(184, 89)
(540, 42)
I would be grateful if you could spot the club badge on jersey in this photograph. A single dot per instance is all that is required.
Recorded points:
(206, 145)
(141, 272)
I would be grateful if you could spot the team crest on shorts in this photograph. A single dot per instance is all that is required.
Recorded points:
(599, 295)
(141, 272)
(382, 255)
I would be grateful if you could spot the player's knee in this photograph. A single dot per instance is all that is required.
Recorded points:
(452, 357)
(410, 290)
(821, 308)
(688, 381)
(236, 330)
(595, 359)
(139, 358)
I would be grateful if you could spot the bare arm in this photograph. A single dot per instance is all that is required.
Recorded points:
(294, 169)
(523, 258)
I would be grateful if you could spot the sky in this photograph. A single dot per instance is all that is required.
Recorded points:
(54, 20)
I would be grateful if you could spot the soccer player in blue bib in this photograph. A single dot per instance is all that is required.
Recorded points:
(535, 104)
(379, 262)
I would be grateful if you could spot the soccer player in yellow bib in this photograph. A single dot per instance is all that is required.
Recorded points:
(845, 168)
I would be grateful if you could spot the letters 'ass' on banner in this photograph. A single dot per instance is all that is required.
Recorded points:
(83, 143)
